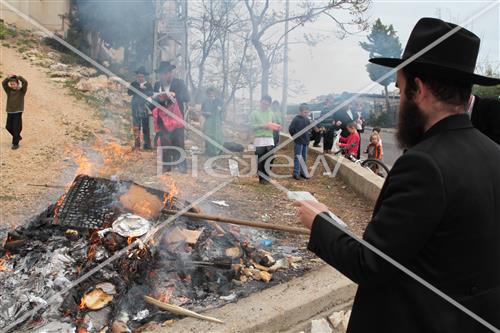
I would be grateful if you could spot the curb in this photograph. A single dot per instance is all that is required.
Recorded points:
(278, 308)
(363, 181)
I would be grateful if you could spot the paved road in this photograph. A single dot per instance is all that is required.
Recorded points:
(391, 150)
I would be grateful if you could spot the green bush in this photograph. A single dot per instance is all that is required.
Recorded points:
(487, 92)
(6, 32)
(384, 119)
(72, 59)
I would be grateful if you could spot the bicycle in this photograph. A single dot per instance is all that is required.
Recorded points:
(375, 166)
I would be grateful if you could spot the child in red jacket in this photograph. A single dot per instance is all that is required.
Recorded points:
(351, 143)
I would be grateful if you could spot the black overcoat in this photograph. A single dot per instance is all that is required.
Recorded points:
(486, 117)
(438, 214)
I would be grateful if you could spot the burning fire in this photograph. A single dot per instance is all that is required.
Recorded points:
(3, 261)
(171, 190)
(109, 161)
(113, 156)
(57, 207)
(82, 305)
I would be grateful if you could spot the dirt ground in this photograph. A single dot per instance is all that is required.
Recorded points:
(56, 125)
(53, 122)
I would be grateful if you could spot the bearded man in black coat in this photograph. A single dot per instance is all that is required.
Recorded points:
(169, 84)
(438, 213)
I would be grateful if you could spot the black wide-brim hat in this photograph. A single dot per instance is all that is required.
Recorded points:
(165, 66)
(141, 70)
(454, 58)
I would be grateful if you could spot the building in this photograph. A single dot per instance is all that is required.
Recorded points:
(48, 13)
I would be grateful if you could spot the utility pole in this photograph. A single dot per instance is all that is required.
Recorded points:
(284, 96)
(155, 38)
(185, 51)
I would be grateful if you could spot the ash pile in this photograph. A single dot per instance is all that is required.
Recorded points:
(86, 263)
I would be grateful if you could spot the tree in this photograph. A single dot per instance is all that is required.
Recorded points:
(487, 69)
(127, 24)
(382, 42)
(212, 24)
(264, 19)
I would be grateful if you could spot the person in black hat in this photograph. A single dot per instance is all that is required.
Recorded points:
(173, 87)
(15, 87)
(140, 112)
(485, 116)
(438, 212)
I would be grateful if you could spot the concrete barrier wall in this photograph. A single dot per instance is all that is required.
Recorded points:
(363, 181)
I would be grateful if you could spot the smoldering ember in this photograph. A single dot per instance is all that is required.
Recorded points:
(190, 263)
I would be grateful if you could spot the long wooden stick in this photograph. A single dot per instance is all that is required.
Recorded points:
(46, 185)
(230, 220)
(179, 311)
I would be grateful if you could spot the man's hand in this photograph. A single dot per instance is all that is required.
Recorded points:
(308, 210)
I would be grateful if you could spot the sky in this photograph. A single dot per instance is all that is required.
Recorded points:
(337, 65)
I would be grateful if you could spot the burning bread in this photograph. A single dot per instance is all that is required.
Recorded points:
(140, 202)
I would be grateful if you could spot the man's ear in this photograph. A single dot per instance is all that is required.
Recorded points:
(421, 92)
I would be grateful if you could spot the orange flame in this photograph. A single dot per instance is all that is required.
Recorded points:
(113, 156)
(82, 305)
(164, 294)
(57, 207)
(171, 190)
(109, 161)
(3, 261)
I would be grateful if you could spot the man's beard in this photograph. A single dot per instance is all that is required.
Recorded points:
(411, 125)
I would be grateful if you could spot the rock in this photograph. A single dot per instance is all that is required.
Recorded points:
(93, 84)
(53, 55)
(345, 321)
(340, 319)
(34, 53)
(336, 318)
(112, 97)
(320, 326)
(75, 76)
(55, 73)
(85, 71)
(97, 320)
(59, 67)
(43, 62)
(59, 79)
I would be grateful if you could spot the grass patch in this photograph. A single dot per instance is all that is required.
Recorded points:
(72, 59)
(6, 31)
(80, 95)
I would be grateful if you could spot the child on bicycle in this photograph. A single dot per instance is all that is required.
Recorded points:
(374, 148)
(351, 143)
